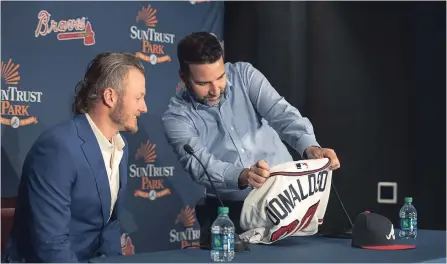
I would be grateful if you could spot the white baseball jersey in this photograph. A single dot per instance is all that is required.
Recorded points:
(291, 202)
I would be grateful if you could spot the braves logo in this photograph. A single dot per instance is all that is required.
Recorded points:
(77, 28)
(391, 234)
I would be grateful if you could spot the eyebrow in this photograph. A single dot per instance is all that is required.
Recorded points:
(209, 81)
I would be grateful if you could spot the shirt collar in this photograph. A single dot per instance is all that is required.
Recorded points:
(103, 142)
(196, 104)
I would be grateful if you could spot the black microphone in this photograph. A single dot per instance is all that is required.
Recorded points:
(342, 206)
(239, 244)
(190, 151)
(347, 234)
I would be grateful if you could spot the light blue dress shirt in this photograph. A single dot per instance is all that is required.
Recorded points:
(246, 126)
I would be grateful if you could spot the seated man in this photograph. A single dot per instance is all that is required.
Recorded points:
(74, 177)
(234, 120)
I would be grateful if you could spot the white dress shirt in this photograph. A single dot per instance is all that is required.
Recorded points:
(112, 153)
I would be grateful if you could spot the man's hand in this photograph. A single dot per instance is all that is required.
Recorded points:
(318, 153)
(256, 175)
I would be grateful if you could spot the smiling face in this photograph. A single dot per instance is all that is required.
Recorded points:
(131, 103)
(207, 81)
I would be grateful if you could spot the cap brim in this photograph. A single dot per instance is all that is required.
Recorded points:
(390, 247)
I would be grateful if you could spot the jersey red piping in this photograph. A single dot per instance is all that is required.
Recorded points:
(299, 173)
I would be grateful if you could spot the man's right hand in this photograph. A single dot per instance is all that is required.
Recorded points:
(256, 175)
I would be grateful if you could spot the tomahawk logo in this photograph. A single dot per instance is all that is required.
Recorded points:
(70, 29)
(391, 234)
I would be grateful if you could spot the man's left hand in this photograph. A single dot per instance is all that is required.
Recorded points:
(318, 153)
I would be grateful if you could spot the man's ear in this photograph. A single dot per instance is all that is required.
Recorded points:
(182, 76)
(109, 97)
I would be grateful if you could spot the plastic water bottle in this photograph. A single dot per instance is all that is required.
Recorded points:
(408, 220)
(222, 237)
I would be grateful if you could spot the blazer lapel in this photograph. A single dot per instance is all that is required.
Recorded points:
(123, 177)
(93, 154)
(123, 171)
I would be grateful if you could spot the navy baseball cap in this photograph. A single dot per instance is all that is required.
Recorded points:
(374, 231)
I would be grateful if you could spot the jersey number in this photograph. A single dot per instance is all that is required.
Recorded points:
(293, 227)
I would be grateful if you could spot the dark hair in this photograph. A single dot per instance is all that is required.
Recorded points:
(198, 48)
(107, 69)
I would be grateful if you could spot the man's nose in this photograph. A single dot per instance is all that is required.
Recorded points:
(144, 108)
(214, 90)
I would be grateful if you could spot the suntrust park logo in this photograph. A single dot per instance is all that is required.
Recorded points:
(152, 42)
(187, 236)
(16, 102)
(151, 176)
(78, 28)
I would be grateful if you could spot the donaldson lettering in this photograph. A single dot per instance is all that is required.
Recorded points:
(279, 207)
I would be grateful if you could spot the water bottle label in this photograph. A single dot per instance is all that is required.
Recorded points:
(223, 242)
(408, 224)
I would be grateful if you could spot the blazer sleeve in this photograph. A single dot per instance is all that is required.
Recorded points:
(111, 239)
(48, 175)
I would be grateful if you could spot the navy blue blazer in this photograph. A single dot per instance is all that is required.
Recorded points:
(63, 202)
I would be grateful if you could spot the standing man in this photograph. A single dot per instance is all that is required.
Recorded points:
(74, 177)
(234, 120)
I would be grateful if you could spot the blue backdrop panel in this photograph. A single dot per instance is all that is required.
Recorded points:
(45, 49)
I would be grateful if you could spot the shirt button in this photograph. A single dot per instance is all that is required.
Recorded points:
(242, 150)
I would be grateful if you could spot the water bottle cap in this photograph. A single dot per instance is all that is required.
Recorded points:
(223, 210)
(408, 199)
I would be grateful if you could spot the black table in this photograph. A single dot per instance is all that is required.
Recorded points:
(430, 247)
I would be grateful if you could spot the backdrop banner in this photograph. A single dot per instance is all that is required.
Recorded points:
(46, 47)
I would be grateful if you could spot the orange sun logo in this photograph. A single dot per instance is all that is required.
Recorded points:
(186, 217)
(148, 16)
(10, 73)
(147, 152)
(127, 247)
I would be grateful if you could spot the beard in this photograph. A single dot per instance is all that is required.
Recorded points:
(204, 99)
(118, 117)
